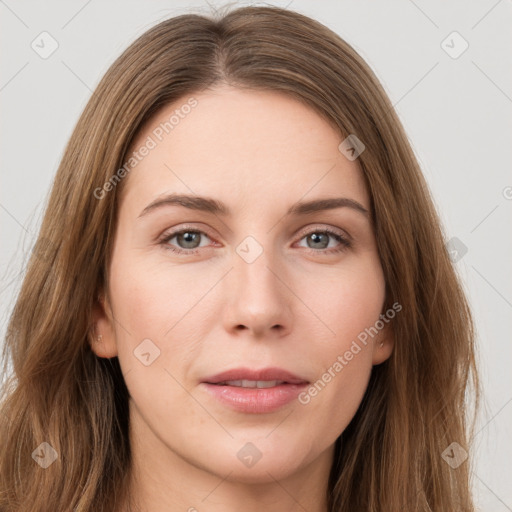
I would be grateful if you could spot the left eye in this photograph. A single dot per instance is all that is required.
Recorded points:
(189, 240)
(320, 240)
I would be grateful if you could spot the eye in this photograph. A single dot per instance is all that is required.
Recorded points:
(188, 240)
(318, 240)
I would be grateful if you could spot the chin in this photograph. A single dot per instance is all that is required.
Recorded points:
(255, 461)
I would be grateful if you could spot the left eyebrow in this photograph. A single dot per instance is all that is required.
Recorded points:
(326, 204)
(210, 205)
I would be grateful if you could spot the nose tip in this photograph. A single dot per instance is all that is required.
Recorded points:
(258, 299)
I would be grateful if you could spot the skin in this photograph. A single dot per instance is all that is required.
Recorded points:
(296, 306)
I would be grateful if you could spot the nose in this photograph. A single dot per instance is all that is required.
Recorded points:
(259, 298)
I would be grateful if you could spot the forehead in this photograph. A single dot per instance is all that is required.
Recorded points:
(255, 145)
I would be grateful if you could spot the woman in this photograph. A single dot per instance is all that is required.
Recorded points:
(240, 295)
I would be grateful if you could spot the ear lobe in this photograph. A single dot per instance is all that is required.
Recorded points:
(383, 345)
(102, 337)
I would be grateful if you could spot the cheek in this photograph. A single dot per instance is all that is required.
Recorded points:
(158, 310)
(331, 402)
(155, 340)
(344, 364)
(152, 296)
(349, 304)
(346, 300)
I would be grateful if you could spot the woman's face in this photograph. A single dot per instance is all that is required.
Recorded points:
(230, 279)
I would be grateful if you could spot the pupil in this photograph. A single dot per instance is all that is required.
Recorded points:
(317, 237)
(189, 237)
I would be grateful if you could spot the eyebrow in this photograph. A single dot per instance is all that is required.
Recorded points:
(209, 205)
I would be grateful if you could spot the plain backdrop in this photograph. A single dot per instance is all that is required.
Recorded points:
(447, 69)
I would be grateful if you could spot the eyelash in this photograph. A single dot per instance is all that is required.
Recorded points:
(344, 242)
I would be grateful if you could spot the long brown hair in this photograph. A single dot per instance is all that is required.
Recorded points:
(390, 457)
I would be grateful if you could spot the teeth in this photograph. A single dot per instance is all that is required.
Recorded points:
(253, 383)
(268, 383)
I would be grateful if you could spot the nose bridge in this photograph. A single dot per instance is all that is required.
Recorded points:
(253, 261)
(258, 299)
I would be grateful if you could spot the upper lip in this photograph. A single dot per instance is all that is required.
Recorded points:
(249, 374)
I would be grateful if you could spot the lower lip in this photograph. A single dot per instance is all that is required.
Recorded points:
(255, 400)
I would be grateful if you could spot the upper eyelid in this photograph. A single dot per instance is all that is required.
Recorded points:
(338, 231)
(172, 233)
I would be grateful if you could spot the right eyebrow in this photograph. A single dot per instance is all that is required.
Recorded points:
(204, 204)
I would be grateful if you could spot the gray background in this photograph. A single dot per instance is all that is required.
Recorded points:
(456, 112)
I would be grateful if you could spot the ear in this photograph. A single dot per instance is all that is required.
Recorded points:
(102, 338)
(383, 344)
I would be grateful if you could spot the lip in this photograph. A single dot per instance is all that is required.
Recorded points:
(249, 374)
(255, 400)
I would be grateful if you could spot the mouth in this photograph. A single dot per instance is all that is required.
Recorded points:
(254, 391)
(246, 377)
(259, 384)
